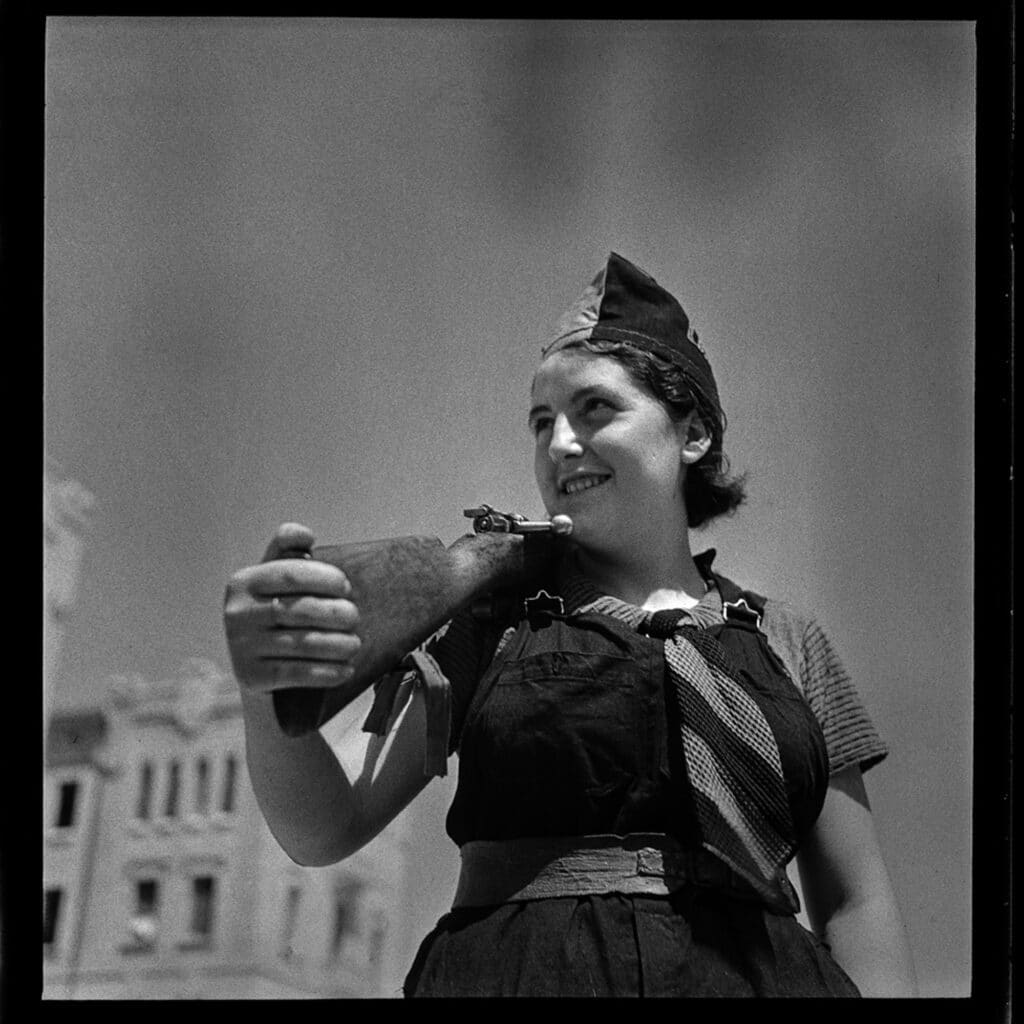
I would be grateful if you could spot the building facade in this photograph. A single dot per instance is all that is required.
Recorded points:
(67, 506)
(162, 880)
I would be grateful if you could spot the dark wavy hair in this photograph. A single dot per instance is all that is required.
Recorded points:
(709, 490)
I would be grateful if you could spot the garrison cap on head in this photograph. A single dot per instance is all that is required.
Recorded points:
(624, 304)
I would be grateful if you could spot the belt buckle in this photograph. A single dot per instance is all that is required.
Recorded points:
(650, 862)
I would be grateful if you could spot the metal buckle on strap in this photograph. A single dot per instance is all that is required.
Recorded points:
(739, 609)
(542, 608)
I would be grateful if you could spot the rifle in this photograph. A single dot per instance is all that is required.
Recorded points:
(406, 588)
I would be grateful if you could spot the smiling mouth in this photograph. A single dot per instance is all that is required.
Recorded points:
(583, 483)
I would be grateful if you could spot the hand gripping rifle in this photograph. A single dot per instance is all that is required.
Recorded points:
(406, 588)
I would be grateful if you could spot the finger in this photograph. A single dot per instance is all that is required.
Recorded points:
(291, 675)
(307, 612)
(292, 577)
(306, 645)
(290, 538)
(266, 676)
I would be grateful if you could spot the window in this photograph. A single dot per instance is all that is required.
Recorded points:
(51, 918)
(202, 786)
(146, 901)
(227, 796)
(203, 892)
(346, 910)
(291, 917)
(378, 934)
(144, 805)
(144, 894)
(143, 925)
(66, 805)
(342, 926)
(173, 785)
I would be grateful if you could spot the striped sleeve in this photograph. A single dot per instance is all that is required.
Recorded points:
(850, 734)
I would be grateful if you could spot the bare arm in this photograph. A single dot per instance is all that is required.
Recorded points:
(323, 804)
(850, 900)
(289, 623)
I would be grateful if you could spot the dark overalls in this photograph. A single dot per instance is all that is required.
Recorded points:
(572, 731)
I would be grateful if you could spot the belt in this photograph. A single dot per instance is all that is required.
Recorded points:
(642, 863)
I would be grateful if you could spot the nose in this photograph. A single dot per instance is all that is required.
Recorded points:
(564, 441)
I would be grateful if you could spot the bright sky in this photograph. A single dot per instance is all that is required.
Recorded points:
(301, 269)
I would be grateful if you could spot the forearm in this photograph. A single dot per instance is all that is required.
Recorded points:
(869, 943)
(308, 802)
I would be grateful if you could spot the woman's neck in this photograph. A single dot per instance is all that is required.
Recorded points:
(652, 579)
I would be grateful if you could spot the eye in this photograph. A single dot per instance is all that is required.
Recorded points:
(596, 404)
(539, 424)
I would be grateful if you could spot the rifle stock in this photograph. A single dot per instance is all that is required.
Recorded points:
(406, 588)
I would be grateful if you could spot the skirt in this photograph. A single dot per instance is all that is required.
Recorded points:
(696, 942)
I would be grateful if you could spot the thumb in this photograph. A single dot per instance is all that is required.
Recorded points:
(291, 540)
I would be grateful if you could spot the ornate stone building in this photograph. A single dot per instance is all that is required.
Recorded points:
(66, 508)
(161, 879)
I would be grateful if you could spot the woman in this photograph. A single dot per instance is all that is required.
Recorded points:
(637, 765)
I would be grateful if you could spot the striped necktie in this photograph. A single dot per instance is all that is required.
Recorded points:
(733, 766)
(731, 755)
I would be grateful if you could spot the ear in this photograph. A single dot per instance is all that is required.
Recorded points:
(696, 440)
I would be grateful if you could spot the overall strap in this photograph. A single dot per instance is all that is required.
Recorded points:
(738, 605)
(745, 609)
(500, 616)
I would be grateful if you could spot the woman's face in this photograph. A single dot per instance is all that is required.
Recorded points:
(608, 454)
